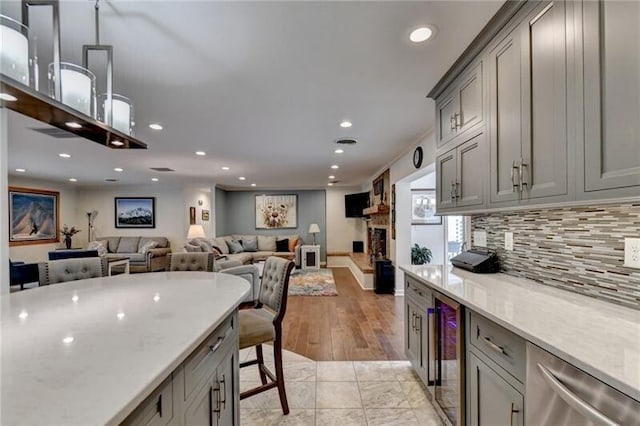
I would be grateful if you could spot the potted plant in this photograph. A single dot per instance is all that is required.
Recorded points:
(68, 233)
(420, 255)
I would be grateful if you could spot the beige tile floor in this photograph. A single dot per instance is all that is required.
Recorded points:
(338, 393)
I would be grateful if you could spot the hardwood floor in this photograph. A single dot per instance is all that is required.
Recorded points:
(356, 325)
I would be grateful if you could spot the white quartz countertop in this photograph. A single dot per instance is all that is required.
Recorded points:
(598, 337)
(88, 352)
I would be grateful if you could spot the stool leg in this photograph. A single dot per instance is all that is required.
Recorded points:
(277, 352)
(260, 358)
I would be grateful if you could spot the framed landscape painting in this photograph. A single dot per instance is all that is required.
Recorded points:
(423, 207)
(276, 211)
(135, 212)
(33, 216)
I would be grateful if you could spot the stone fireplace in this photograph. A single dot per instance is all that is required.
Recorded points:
(377, 240)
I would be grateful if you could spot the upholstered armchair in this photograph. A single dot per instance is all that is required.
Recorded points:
(58, 271)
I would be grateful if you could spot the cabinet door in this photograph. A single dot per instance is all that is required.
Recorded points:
(446, 176)
(156, 410)
(611, 30)
(494, 402)
(505, 111)
(470, 99)
(545, 143)
(446, 108)
(412, 343)
(228, 385)
(471, 172)
(200, 409)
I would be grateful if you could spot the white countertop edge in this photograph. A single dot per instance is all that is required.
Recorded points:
(122, 414)
(590, 369)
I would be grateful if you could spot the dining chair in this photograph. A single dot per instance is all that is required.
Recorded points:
(58, 271)
(263, 324)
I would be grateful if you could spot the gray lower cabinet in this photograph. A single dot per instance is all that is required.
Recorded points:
(203, 390)
(418, 301)
(460, 176)
(528, 109)
(611, 98)
(493, 401)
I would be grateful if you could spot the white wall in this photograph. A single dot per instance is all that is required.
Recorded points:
(192, 196)
(67, 203)
(342, 231)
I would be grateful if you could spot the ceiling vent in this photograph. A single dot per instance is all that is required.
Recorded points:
(110, 180)
(162, 169)
(346, 141)
(54, 132)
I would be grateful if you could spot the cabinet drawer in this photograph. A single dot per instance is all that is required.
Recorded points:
(156, 410)
(201, 364)
(418, 292)
(502, 346)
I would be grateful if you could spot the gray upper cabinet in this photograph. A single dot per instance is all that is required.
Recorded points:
(446, 175)
(610, 31)
(528, 104)
(460, 109)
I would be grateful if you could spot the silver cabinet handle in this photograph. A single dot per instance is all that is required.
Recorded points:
(457, 120)
(223, 402)
(431, 328)
(515, 185)
(452, 191)
(574, 401)
(457, 190)
(513, 411)
(492, 345)
(452, 122)
(413, 320)
(523, 182)
(418, 319)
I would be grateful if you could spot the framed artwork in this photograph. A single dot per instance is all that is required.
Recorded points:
(423, 207)
(192, 215)
(276, 211)
(34, 216)
(205, 215)
(132, 212)
(393, 211)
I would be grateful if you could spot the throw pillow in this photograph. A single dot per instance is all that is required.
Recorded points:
(250, 243)
(282, 246)
(292, 244)
(221, 243)
(191, 248)
(234, 246)
(100, 246)
(205, 245)
(147, 246)
(266, 243)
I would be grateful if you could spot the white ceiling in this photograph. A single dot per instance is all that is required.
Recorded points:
(260, 86)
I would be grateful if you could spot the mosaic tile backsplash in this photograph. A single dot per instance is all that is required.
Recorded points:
(579, 249)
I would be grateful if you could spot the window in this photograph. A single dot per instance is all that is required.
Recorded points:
(455, 234)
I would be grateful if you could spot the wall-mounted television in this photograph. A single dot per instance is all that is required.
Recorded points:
(355, 203)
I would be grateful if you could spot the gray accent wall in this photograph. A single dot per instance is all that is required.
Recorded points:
(580, 249)
(235, 212)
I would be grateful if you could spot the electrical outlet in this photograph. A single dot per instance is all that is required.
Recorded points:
(632, 253)
(480, 238)
(508, 241)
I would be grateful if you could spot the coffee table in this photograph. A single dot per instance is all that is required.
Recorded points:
(117, 261)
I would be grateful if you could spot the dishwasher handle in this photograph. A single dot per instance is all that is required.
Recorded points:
(573, 400)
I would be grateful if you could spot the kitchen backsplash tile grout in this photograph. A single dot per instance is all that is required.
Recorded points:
(579, 249)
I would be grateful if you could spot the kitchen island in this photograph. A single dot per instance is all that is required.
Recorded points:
(91, 352)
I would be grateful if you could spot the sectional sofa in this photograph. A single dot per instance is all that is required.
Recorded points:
(146, 254)
(248, 249)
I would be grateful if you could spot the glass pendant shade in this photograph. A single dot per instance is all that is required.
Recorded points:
(78, 87)
(14, 49)
(122, 118)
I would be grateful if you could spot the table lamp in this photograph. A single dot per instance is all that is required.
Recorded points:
(314, 229)
(195, 231)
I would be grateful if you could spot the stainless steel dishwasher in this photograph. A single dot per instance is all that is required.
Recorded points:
(559, 394)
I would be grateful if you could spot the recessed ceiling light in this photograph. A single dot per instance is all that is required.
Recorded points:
(7, 97)
(242, 178)
(154, 179)
(225, 168)
(21, 170)
(73, 180)
(117, 143)
(73, 125)
(335, 166)
(338, 151)
(120, 315)
(155, 126)
(346, 124)
(67, 340)
(332, 177)
(420, 34)
(201, 153)
(63, 155)
(23, 315)
(253, 184)
(118, 169)
(330, 184)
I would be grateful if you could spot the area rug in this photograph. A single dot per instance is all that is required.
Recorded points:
(318, 282)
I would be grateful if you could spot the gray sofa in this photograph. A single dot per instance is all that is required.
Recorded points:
(154, 259)
(266, 246)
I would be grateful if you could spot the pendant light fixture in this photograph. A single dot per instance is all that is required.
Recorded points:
(115, 110)
(14, 50)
